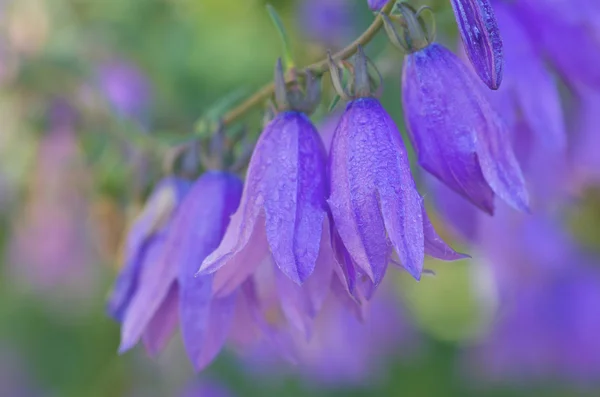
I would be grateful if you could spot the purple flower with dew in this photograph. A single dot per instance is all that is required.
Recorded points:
(459, 138)
(556, 26)
(374, 200)
(283, 208)
(168, 292)
(145, 232)
(481, 38)
(376, 5)
(327, 21)
(126, 88)
(529, 90)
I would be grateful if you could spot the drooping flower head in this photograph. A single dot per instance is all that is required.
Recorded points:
(145, 234)
(276, 250)
(458, 136)
(481, 38)
(168, 293)
(374, 200)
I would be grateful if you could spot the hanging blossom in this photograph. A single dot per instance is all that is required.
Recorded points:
(374, 200)
(459, 138)
(480, 35)
(167, 292)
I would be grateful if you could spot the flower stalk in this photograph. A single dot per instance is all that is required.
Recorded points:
(317, 69)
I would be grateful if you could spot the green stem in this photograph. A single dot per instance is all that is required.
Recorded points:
(318, 68)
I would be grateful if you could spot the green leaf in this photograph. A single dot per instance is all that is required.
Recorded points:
(288, 58)
(334, 102)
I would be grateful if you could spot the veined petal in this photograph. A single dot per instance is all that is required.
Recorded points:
(157, 212)
(195, 232)
(481, 37)
(157, 279)
(458, 137)
(301, 304)
(163, 324)
(295, 190)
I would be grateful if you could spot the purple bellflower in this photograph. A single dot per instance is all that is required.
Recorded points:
(374, 200)
(146, 233)
(459, 138)
(168, 292)
(329, 22)
(481, 38)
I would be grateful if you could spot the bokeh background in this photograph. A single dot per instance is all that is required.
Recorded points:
(92, 95)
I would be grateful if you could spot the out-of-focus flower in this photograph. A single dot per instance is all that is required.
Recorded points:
(556, 25)
(587, 138)
(481, 38)
(458, 136)
(126, 88)
(374, 200)
(529, 90)
(329, 22)
(345, 349)
(376, 4)
(168, 292)
(145, 234)
(52, 244)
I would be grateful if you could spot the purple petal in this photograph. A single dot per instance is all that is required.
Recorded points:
(156, 281)
(564, 32)
(483, 44)
(301, 304)
(434, 245)
(458, 137)
(195, 232)
(156, 213)
(587, 138)
(292, 154)
(162, 326)
(530, 81)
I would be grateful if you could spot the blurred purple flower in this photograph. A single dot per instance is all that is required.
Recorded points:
(457, 135)
(556, 26)
(529, 91)
(327, 21)
(376, 4)
(587, 139)
(168, 292)
(374, 200)
(344, 349)
(126, 88)
(482, 42)
(142, 241)
(52, 244)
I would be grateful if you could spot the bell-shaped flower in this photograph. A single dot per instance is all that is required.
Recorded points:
(481, 38)
(144, 233)
(458, 136)
(374, 200)
(168, 293)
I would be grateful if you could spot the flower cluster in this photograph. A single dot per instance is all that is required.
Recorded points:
(315, 225)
